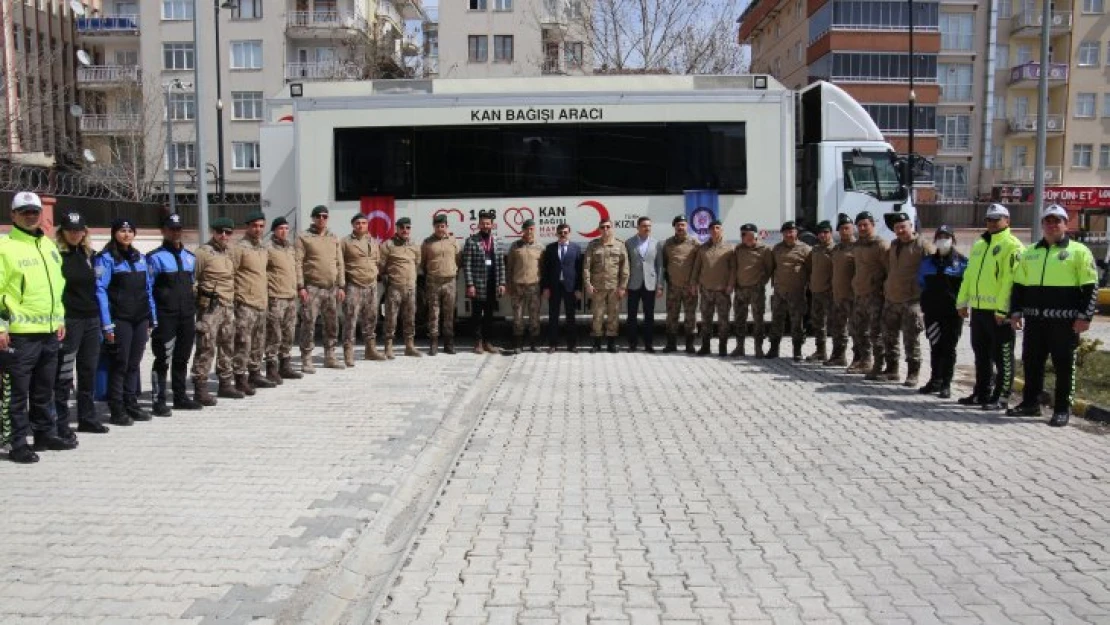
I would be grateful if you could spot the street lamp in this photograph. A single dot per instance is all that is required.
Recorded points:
(216, 6)
(198, 81)
(171, 164)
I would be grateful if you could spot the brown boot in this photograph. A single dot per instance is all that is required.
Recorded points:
(410, 349)
(227, 389)
(306, 363)
(257, 380)
(478, 348)
(273, 373)
(891, 373)
(389, 349)
(818, 356)
(330, 361)
(433, 346)
(243, 385)
(349, 355)
(372, 352)
(201, 394)
(913, 372)
(861, 366)
(876, 371)
(285, 369)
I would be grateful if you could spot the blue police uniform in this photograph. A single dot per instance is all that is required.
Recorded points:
(172, 271)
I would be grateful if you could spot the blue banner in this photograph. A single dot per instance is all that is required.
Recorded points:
(702, 207)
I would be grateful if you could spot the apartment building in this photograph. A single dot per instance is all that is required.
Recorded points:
(139, 88)
(38, 121)
(504, 38)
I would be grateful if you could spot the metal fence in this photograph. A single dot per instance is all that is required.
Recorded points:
(100, 212)
(969, 214)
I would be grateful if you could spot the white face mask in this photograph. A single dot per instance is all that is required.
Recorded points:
(944, 245)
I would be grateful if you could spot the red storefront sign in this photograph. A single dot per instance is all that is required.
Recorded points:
(1069, 197)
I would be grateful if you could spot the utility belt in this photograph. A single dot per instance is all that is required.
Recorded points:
(208, 301)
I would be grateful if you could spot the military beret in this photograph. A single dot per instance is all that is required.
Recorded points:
(319, 210)
(715, 222)
(254, 216)
(439, 219)
(528, 223)
(357, 217)
(404, 221)
(278, 221)
(897, 218)
(679, 219)
(842, 219)
(172, 221)
(788, 225)
(222, 223)
(749, 228)
(862, 215)
(824, 226)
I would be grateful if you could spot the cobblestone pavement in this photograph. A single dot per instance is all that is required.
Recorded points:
(670, 489)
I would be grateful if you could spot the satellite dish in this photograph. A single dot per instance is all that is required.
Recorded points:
(84, 58)
(77, 8)
(90, 156)
(75, 110)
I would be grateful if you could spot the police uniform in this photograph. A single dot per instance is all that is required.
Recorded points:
(320, 274)
(440, 258)
(753, 269)
(679, 254)
(820, 289)
(401, 259)
(789, 275)
(1055, 286)
(902, 306)
(867, 292)
(843, 270)
(940, 277)
(606, 270)
(215, 279)
(714, 273)
(172, 266)
(251, 310)
(522, 273)
(361, 258)
(281, 313)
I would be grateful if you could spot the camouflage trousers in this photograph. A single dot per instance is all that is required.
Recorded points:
(440, 294)
(526, 301)
(902, 320)
(839, 316)
(215, 341)
(321, 303)
(360, 307)
(681, 301)
(714, 302)
(752, 298)
(281, 327)
(250, 339)
(867, 324)
(400, 300)
(792, 304)
(820, 309)
(605, 307)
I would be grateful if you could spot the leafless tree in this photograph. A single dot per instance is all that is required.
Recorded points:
(372, 53)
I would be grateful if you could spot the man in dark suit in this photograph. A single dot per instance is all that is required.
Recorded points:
(561, 283)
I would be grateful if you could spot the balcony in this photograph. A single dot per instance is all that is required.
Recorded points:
(411, 9)
(107, 76)
(1028, 74)
(113, 124)
(1027, 124)
(108, 26)
(323, 24)
(1028, 23)
(323, 71)
(954, 144)
(1024, 175)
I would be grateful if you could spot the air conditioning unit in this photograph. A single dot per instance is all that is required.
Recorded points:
(1057, 19)
(1052, 123)
(1049, 175)
(1056, 72)
(1029, 124)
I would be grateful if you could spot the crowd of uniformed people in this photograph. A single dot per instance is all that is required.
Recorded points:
(240, 303)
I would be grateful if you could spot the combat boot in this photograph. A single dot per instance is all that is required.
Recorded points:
(449, 346)
(759, 348)
(160, 409)
(478, 349)
(738, 351)
(433, 346)
(797, 350)
(201, 394)
(597, 345)
(892, 372)
(410, 349)
(306, 364)
(389, 349)
(837, 359)
(119, 416)
(722, 348)
(612, 347)
(273, 374)
(532, 345)
(227, 389)
(242, 385)
(330, 361)
(158, 405)
(913, 371)
(184, 402)
(349, 355)
(257, 380)
(875, 372)
(372, 352)
(704, 351)
(773, 349)
(689, 344)
(285, 368)
(932, 386)
(672, 344)
(514, 346)
(131, 406)
(819, 356)
(860, 367)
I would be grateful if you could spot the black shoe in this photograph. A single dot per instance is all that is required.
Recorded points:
(65, 433)
(612, 348)
(49, 442)
(160, 409)
(930, 387)
(1059, 419)
(23, 455)
(137, 414)
(597, 346)
(970, 400)
(92, 427)
(945, 392)
(1024, 410)
(186, 403)
(649, 348)
(632, 346)
(993, 404)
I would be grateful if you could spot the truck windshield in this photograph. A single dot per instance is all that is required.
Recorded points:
(873, 173)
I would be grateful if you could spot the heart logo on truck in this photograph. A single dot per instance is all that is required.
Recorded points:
(515, 217)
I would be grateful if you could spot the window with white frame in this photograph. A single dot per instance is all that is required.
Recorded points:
(178, 56)
(1092, 6)
(477, 48)
(1005, 8)
(245, 155)
(1088, 53)
(1104, 156)
(1085, 105)
(1081, 155)
(182, 156)
(951, 181)
(246, 105)
(954, 133)
(573, 52)
(246, 54)
(955, 81)
(247, 10)
(502, 5)
(177, 9)
(503, 48)
(477, 5)
(1001, 56)
(957, 31)
(182, 106)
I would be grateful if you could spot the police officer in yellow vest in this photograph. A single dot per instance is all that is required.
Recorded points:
(1054, 298)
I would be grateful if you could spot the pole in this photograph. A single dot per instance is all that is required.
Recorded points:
(219, 109)
(1042, 122)
(202, 180)
(170, 164)
(912, 110)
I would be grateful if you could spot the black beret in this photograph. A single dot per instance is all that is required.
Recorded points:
(357, 217)
(864, 215)
(897, 218)
(254, 216)
(679, 219)
(319, 210)
(824, 226)
(278, 221)
(788, 225)
(222, 223)
(439, 219)
(749, 228)
(842, 219)
(528, 223)
(715, 222)
(404, 221)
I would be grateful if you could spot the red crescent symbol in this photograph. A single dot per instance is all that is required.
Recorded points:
(449, 211)
(517, 214)
(602, 214)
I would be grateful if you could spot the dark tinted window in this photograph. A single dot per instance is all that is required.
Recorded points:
(373, 161)
(623, 159)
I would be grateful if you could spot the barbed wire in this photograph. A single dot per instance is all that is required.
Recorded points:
(96, 185)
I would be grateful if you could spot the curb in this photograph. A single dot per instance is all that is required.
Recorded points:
(353, 591)
(1080, 407)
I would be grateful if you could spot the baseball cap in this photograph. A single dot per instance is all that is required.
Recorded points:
(26, 200)
(172, 221)
(1055, 210)
(944, 230)
(997, 211)
(73, 221)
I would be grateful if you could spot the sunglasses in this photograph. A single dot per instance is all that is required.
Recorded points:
(320, 217)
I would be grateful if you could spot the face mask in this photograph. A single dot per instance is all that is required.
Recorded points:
(944, 245)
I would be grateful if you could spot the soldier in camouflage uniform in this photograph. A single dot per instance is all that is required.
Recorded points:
(320, 282)
(753, 270)
(440, 257)
(522, 275)
(843, 270)
(902, 308)
(679, 254)
(820, 288)
(361, 259)
(251, 306)
(714, 274)
(605, 274)
(281, 316)
(215, 280)
(790, 274)
(400, 259)
(870, 252)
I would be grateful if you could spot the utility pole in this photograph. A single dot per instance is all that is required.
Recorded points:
(1042, 121)
(202, 180)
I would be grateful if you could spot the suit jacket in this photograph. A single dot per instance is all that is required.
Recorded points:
(644, 271)
(567, 272)
(474, 265)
